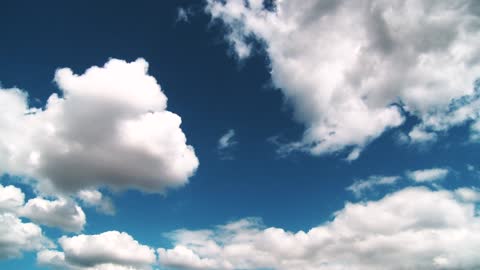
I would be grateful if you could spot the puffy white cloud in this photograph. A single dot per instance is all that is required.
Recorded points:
(415, 228)
(11, 198)
(428, 175)
(62, 213)
(105, 251)
(348, 66)
(95, 198)
(108, 128)
(17, 236)
(360, 186)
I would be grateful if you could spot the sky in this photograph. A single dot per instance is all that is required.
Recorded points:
(240, 134)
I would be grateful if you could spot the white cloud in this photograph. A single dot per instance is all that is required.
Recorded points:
(342, 64)
(17, 236)
(428, 175)
(360, 186)
(11, 199)
(110, 128)
(105, 251)
(95, 198)
(61, 213)
(415, 228)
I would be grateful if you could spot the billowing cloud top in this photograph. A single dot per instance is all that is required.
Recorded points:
(109, 128)
(350, 68)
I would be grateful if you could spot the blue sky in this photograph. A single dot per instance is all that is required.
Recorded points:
(297, 138)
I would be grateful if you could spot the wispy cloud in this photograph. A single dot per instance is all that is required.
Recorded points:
(226, 143)
(360, 186)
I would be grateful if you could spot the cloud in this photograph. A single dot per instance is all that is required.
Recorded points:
(109, 127)
(11, 199)
(360, 186)
(468, 194)
(108, 250)
(61, 213)
(428, 175)
(17, 236)
(183, 15)
(354, 69)
(96, 199)
(225, 143)
(414, 228)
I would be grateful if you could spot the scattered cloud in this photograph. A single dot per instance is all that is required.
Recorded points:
(108, 250)
(108, 128)
(225, 144)
(428, 175)
(354, 69)
(416, 228)
(61, 213)
(360, 186)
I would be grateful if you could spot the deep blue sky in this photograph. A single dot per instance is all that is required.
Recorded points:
(213, 93)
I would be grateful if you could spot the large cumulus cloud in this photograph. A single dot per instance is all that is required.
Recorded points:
(352, 69)
(108, 127)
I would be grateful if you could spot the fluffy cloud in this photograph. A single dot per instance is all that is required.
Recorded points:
(61, 213)
(352, 68)
(428, 175)
(415, 228)
(17, 236)
(109, 250)
(11, 199)
(109, 127)
(360, 186)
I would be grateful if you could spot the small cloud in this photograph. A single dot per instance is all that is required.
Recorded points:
(94, 198)
(225, 144)
(428, 175)
(360, 186)
(183, 15)
(354, 154)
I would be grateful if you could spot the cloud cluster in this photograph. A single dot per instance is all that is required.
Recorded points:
(61, 213)
(415, 228)
(17, 236)
(108, 128)
(108, 250)
(354, 69)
